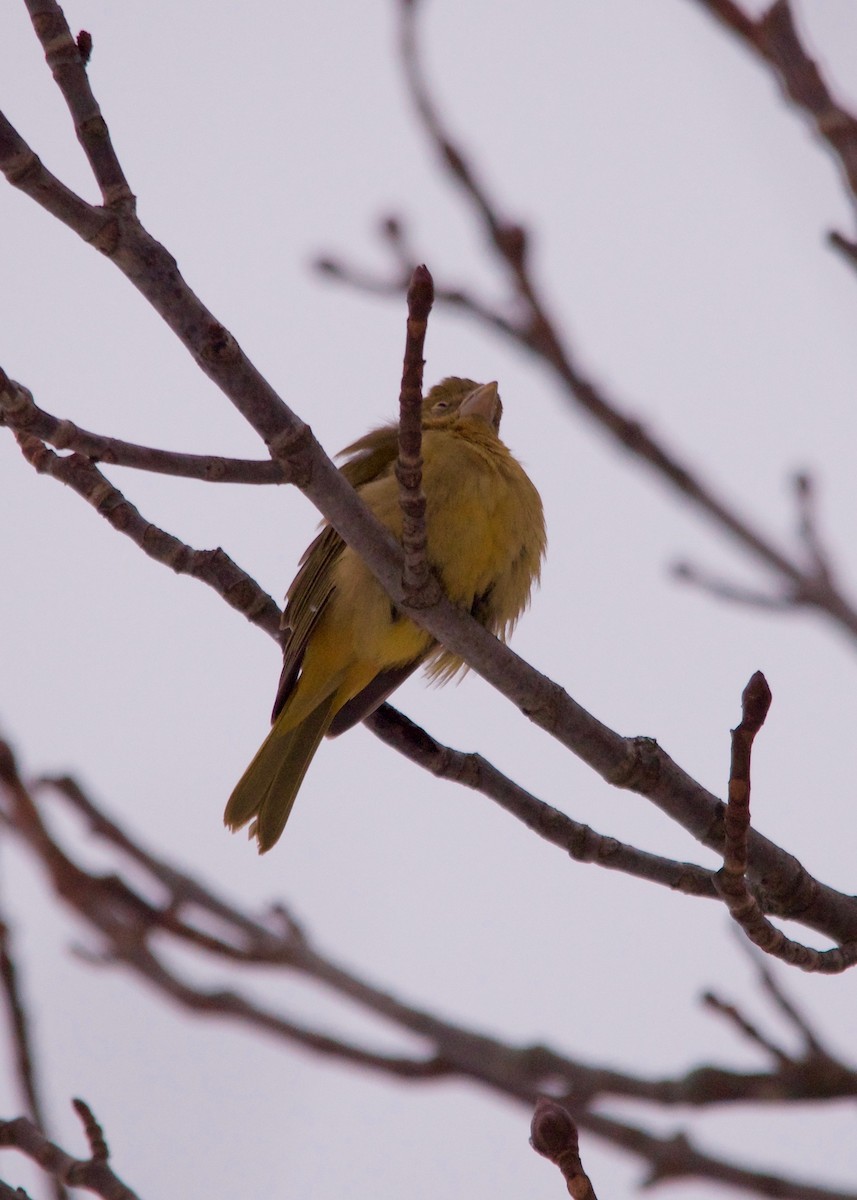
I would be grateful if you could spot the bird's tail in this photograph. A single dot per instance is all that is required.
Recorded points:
(266, 791)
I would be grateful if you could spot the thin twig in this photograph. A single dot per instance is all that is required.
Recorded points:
(579, 841)
(19, 411)
(132, 928)
(94, 1133)
(774, 37)
(91, 1174)
(812, 1042)
(213, 567)
(553, 1134)
(733, 593)
(68, 64)
(20, 1036)
(417, 578)
(750, 1031)
(731, 880)
(808, 526)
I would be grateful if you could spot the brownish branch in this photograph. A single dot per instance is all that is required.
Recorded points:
(535, 329)
(746, 1028)
(417, 579)
(134, 931)
(632, 763)
(19, 411)
(213, 567)
(774, 38)
(93, 1174)
(98, 1149)
(554, 1135)
(579, 841)
(25, 170)
(67, 62)
(637, 764)
(731, 880)
(19, 1034)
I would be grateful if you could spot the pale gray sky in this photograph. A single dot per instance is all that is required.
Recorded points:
(680, 212)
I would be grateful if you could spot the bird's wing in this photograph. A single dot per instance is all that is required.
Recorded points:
(307, 599)
(374, 694)
(370, 455)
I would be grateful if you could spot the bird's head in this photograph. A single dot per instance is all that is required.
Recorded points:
(464, 397)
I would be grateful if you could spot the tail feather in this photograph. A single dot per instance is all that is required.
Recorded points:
(266, 791)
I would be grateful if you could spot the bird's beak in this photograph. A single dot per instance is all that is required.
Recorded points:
(483, 402)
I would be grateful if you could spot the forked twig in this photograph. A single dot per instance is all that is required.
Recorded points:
(731, 880)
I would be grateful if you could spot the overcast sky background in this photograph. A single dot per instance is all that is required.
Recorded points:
(679, 212)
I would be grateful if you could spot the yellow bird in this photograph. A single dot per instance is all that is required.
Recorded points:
(347, 646)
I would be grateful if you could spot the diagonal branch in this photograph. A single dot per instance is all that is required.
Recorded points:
(637, 764)
(536, 330)
(213, 567)
(19, 411)
(67, 61)
(579, 841)
(775, 39)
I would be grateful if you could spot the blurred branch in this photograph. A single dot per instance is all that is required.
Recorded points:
(818, 569)
(814, 1060)
(19, 1035)
(774, 38)
(93, 1173)
(213, 567)
(532, 326)
(139, 935)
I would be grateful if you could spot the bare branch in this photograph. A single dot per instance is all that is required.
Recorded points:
(808, 529)
(19, 411)
(132, 927)
(535, 329)
(676, 1157)
(579, 841)
(635, 764)
(419, 586)
(811, 1040)
(213, 567)
(67, 62)
(774, 37)
(92, 1174)
(94, 1133)
(734, 593)
(750, 1031)
(19, 1032)
(554, 1135)
(731, 880)
(25, 171)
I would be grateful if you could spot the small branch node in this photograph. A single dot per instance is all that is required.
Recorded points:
(553, 1134)
(98, 1149)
